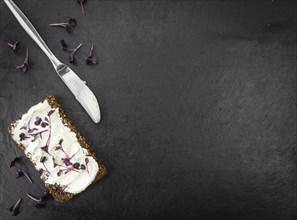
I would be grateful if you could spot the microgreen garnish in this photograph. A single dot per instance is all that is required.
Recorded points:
(42, 160)
(17, 47)
(25, 66)
(82, 2)
(72, 50)
(35, 199)
(82, 167)
(15, 160)
(14, 208)
(19, 170)
(38, 121)
(87, 161)
(45, 148)
(39, 202)
(50, 112)
(69, 26)
(76, 165)
(22, 136)
(90, 59)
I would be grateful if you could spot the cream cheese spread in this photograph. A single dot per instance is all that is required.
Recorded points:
(54, 149)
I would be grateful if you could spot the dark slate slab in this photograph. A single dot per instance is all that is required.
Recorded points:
(198, 107)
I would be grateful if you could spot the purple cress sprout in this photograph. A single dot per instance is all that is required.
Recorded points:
(37, 200)
(90, 59)
(69, 26)
(82, 2)
(71, 56)
(72, 50)
(42, 160)
(14, 208)
(17, 47)
(15, 160)
(25, 66)
(19, 170)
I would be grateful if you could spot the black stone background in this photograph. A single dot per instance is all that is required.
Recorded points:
(197, 100)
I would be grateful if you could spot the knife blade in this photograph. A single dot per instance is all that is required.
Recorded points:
(78, 87)
(81, 92)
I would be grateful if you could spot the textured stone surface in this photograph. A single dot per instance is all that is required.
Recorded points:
(197, 100)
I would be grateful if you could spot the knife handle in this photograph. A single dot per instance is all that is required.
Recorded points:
(29, 28)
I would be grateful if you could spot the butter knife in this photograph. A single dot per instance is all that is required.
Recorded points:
(78, 87)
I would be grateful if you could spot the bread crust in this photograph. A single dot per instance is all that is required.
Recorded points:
(55, 191)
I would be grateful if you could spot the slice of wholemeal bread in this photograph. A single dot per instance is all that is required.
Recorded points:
(65, 161)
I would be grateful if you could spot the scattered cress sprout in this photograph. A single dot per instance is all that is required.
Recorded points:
(90, 59)
(39, 202)
(19, 170)
(17, 47)
(14, 209)
(72, 50)
(69, 26)
(25, 66)
(82, 2)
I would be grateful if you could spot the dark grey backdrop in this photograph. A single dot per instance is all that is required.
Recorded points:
(198, 107)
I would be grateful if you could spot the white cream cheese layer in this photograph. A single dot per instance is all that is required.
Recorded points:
(73, 181)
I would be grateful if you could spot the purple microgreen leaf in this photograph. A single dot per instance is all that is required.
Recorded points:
(15, 160)
(76, 165)
(69, 28)
(34, 198)
(87, 160)
(90, 59)
(60, 141)
(25, 66)
(43, 159)
(19, 173)
(58, 148)
(37, 121)
(17, 47)
(54, 162)
(44, 124)
(67, 162)
(72, 22)
(63, 44)
(14, 208)
(46, 119)
(59, 173)
(50, 112)
(82, 2)
(82, 167)
(71, 59)
(22, 136)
